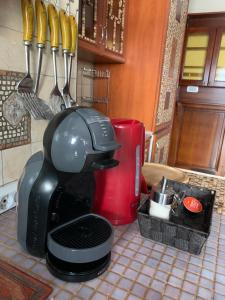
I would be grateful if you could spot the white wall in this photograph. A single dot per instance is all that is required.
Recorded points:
(202, 6)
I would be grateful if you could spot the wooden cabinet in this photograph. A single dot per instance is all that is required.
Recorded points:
(144, 87)
(203, 60)
(198, 131)
(101, 30)
(197, 141)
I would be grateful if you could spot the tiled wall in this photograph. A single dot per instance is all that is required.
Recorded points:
(12, 59)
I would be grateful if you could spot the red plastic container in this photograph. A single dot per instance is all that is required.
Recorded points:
(118, 189)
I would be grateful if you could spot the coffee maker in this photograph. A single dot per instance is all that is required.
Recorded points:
(56, 192)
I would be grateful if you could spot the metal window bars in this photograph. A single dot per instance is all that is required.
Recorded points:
(96, 79)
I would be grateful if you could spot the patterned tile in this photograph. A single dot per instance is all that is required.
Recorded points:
(12, 134)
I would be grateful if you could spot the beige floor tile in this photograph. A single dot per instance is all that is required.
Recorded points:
(14, 160)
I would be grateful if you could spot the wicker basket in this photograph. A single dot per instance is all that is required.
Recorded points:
(188, 233)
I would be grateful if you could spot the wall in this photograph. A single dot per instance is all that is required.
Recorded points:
(202, 6)
(12, 160)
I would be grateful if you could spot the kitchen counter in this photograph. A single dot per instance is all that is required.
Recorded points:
(140, 268)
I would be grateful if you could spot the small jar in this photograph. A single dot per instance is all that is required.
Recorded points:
(160, 205)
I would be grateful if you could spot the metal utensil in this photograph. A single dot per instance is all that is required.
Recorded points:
(56, 99)
(74, 30)
(66, 45)
(36, 107)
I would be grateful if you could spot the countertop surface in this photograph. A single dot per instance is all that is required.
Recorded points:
(140, 268)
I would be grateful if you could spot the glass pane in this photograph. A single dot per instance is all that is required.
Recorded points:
(115, 25)
(195, 56)
(87, 19)
(220, 68)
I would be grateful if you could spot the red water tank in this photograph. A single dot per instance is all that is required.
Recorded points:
(118, 189)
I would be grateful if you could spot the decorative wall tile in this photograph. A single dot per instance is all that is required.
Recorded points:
(171, 63)
(17, 132)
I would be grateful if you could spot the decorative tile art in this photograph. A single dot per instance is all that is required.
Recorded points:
(15, 124)
(171, 62)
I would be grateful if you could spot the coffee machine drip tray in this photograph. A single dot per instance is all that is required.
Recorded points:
(80, 250)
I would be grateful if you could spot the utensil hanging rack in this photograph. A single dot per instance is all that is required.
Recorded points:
(94, 75)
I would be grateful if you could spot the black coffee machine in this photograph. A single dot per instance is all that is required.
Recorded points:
(55, 195)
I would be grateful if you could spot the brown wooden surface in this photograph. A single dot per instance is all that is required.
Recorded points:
(134, 86)
(206, 19)
(206, 95)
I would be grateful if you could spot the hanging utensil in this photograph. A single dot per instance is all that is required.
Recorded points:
(36, 107)
(56, 99)
(66, 45)
(74, 30)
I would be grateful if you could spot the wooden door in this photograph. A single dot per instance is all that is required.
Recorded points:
(200, 138)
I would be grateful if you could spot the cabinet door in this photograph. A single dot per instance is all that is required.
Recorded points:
(197, 56)
(114, 26)
(200, 138)
(217, 73)
(88, 20)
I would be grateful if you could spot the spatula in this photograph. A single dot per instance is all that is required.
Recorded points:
(56, 100)
(37, 107)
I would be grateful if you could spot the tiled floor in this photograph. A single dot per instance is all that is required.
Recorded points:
(140, 268)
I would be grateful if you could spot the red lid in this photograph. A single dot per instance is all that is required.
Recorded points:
(192, 204)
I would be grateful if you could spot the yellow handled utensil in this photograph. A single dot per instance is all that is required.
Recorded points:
(53, 20)
(66, 45)
(73, 33)
(73, 27)
(36, 107)
(41, 18)
(56, 100)
(65, 30)
(28, 19)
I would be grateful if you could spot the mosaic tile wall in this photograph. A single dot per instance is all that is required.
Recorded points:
(171, 64)
(15, 123)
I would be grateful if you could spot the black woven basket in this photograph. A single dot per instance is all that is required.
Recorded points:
(187, 232)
